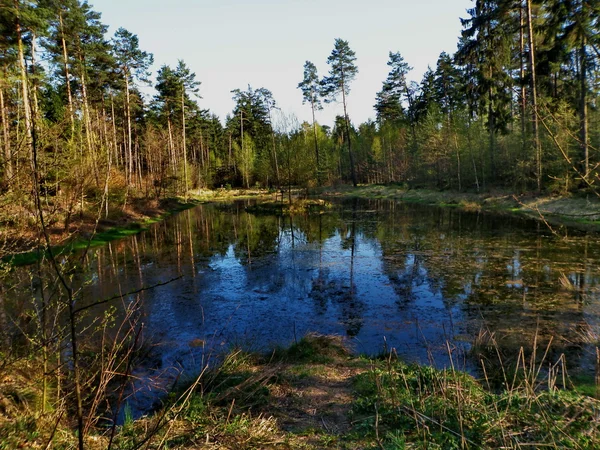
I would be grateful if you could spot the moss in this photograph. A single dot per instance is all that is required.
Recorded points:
(314, 348)
(586, 385)
(284, 208)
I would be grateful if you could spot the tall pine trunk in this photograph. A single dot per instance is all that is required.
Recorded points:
(24, 87)
(67, 75)
(534, 118)
(347, 123)
(312, 105)
(7, 151)
(87, 119)
(583, 110)
(129, 139)
(185, 167)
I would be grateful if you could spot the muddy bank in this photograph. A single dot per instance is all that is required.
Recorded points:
(19, 242)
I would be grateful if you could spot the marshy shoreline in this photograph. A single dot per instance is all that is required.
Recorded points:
(316, 394)
(559, 213)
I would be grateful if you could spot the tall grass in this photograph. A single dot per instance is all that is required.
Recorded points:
(525, 403)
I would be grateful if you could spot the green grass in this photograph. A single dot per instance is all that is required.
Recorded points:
(429, 408)
(244, 402)
(284, 208)
(586, 385)
(575, 211)
(395, 406)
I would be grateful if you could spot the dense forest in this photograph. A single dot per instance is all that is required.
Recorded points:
(514, 108)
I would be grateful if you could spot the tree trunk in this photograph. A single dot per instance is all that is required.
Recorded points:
(458, 168)
(86, 117)
(8, 163)
(229, 154)
(536, 132)
(185, 168)
(492, 130)
(312, 104)
(34, 88)
(413, 130)
(274, 150)
(114, 129)
(523, 99)
(583, 110)
(67, 76)
(347, 122)
(24, 88)
(129, 139)
(172, 156)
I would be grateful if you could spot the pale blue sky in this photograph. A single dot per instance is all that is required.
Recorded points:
(232, 43)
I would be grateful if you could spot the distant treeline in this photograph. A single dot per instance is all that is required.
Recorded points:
(515, 107)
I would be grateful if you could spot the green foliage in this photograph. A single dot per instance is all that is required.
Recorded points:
(447, 409)
(342, 71)
(395, 88)
(133, 61)
(310, 86)
(314, 348)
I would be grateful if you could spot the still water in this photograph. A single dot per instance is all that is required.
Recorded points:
(423, 280)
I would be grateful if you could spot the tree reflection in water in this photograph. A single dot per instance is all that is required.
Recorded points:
(414, 275)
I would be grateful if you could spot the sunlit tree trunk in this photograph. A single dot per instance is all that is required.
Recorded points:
(67, 76)
(347, 123)
(7, 151)
(114, 130)
(185, 168)
(34, 88)
(458, 169)
(24, 87)
(172, 156)
(86, 118)
(536, 132)
(129, 138)
(583, 109)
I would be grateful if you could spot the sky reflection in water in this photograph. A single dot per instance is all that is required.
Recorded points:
(422, 280)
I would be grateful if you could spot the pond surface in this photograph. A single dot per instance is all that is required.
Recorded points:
(426, 281)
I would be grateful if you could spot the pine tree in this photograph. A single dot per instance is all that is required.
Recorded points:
(342, 72)
(133, 64)
(394, 90)
(310, 94)
(485, 48)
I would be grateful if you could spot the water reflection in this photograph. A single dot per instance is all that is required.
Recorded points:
(371, 270)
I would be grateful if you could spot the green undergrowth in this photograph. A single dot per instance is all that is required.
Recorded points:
(284, 208)
(315, 394)
(410, 406)
(580, 211)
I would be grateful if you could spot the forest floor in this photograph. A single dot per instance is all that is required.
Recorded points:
(581, 211)
(317, 395)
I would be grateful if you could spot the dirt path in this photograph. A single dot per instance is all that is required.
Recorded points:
(315, 397)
